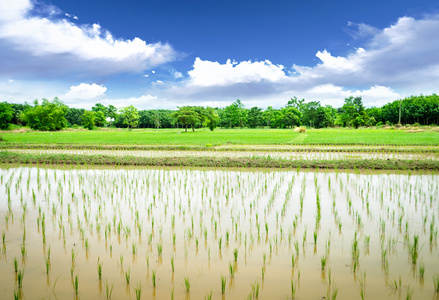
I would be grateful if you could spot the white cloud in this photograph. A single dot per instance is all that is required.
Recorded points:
(178, 74)
(62, 44)
(206, 73)
(84, 93)
(361, 30)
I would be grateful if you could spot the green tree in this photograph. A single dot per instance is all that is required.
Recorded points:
(267, 115)
(211, 118)
(254, 117)
(48, 116)
(19, 109)
(88, 119)
(290, 117)
(100, 107)
(353, 112)
(111, 113)
(130, 116)
(6, 114)
(186, 115)
(100, 120)
(73, 115)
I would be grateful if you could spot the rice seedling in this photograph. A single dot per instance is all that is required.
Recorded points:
(153, 278)
(128, 276)
(187, 284)
(323, 260)
(172, 263)
(108, 290)
(134, 248)
(436, 283)
(159, 249)
(99, 269)
(255, 289)
(138, 290)
(23, 250)
(20, 277)
(87, 245)
(393, 284)
(231, 270)
(293, 289)
(47, 266)
(366, 241)
(15, 264)
(223, 285)
(421, 270)
(76, 285)
(235, 254)
(17, 294)
(208, 296)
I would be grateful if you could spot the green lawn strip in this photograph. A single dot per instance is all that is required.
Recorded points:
(331, 136)
(257, 162)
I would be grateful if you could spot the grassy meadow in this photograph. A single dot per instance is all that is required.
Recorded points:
(203, 137)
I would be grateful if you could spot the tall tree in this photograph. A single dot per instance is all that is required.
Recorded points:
(211, 118)
(254, 117)
(88, 119)
(186, 115)
(130, 116)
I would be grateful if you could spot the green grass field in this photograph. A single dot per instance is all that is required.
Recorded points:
(227, 136)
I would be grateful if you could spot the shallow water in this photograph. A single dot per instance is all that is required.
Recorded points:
(79, 205)
(292, 155)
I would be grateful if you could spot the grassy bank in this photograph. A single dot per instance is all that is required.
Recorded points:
(339, 136)
(254, 162)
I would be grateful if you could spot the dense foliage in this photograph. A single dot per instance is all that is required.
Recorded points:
(47, 116)
(422, 110)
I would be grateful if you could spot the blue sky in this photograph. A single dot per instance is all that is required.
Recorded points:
(168, 53)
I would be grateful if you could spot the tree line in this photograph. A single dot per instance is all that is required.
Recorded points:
(55, 115)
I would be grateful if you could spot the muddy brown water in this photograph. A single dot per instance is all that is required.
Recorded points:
(80, 205)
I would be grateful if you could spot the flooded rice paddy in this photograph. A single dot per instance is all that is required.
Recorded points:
(290, 155)
(188, 234)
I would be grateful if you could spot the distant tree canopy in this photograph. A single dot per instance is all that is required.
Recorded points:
(74, 115)
(47, 116)
(88, 119)
(129, 116)
(54, 115)
(6, 114)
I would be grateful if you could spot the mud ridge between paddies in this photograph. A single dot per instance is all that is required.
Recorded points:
(226, 162)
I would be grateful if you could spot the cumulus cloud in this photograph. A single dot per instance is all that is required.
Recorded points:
(208, 73)
(48, 46)
(84, 92)
(86, 95)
